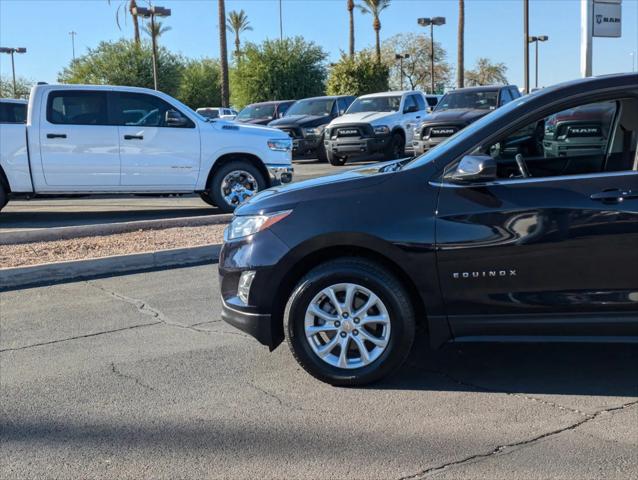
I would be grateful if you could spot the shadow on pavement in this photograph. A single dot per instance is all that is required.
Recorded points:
(550, 368)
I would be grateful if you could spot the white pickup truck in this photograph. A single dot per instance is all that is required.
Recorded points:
(82, 139)
(375, 123)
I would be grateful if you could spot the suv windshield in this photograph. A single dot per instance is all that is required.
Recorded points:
(257, 111)
(376, 104)
(484, 100)
(321, 107)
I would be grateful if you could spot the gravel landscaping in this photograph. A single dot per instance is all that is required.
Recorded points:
(21, 255)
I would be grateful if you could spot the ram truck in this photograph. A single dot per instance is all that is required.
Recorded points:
(377, 123)
(456, 110)
(86, 139)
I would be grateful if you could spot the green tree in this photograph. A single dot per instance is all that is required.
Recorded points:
(23, 87)
(238, 23)
(199, 86)
(156, 29)
(417, 68)
(124, 63)
(278, 70)
(374, 8)
(358, 76)
(486, 73)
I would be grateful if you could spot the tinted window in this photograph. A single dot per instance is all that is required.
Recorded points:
(432, 101)
(506, 97)
(13, 112)
(312, 106)
(515, 93)
(252, 112)
(376, 104)
(420, 102)
(481, 100)
(77, 108)
(139, 109)
(576, 141)
(410, 104)
(343, 105)
(283, 108)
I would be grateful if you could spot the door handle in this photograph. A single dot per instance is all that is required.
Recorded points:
(56, 135)
(133, 137)
(613, 195)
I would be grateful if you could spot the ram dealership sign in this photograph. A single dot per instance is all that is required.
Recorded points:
(607, 18)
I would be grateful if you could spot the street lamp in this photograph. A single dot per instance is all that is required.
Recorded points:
(12, 51)
(431, 22)
(151, 13)
(400, 57)
(73, 34)
(536, 39)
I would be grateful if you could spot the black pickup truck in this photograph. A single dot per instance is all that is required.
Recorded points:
(457, 109)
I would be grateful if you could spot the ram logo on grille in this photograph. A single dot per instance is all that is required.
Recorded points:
(348, 131)
(584, 132)
(440, 132)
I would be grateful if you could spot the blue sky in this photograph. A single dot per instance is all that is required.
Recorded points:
(493, 30)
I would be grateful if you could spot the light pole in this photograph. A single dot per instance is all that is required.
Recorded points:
(431, 22)
(526, 43)
(73, 34)
(12, 51)
(281, 22)
(400, 57)
(151, 13)
(536, 39)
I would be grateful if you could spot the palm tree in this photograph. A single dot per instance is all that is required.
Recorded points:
(223, 53)
(375, 7)
(460, 68)
(129, 5)
(238, 23)
(155, 30)
(350, 7)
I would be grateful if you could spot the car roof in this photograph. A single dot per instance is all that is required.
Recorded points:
(483, 88)
(271, 102)
(386, 94)
(325, 97)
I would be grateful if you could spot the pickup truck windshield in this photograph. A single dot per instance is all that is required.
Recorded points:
(484, 100)
(376, 104)
(256, 111)
(321, 107)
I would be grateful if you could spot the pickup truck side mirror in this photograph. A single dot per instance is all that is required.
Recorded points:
(429, 109)
(411, 109)
(473, 168)
(175, 119)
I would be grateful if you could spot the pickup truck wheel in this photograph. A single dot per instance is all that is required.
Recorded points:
(336, 160)
(234, 183)
(396, 148)
(349, 322)
(4, 197)
(321, 152)
(206, 197)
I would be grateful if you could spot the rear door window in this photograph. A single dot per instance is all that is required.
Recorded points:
(13, 112)
(80, 107)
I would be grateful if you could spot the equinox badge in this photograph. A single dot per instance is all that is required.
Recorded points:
(485, 274)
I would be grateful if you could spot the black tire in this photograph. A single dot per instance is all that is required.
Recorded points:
(214, 188)
(206, 197)
(4, 197)
(385, 286)
(322, 155)
(396, 148)
(335, 160)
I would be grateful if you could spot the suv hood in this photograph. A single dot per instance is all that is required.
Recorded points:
(374, 118)
(461, 115)
(255, 121)
(286, 196)
(300, 121)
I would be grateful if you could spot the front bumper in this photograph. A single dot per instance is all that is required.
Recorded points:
(421, 146)
(305, 145)
(280, 174)
(357, 145)
(257, 325)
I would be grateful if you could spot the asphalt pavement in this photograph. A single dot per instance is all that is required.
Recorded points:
(71, 211)
(136, 377)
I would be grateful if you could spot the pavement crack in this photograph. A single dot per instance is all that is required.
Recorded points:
(510, 446)
(137, 381)
(78, 337)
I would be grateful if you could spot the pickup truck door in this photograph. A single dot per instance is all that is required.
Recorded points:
(78, 147)
(158, 152)
(551, 253)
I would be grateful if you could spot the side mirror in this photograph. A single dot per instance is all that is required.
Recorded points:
(411, 109)
(175, 119)
(473, 168)
(429, 109)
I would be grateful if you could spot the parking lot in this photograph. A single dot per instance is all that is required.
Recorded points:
(142, 379)
(62, 212)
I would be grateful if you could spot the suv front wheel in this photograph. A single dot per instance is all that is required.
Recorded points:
(349, 322)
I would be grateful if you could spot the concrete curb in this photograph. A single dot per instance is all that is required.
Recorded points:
(21, 277)
(62, 233)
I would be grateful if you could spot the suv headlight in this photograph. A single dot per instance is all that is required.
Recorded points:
(245, 226)
(313, 132)
(280, 144)
(381, 130)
